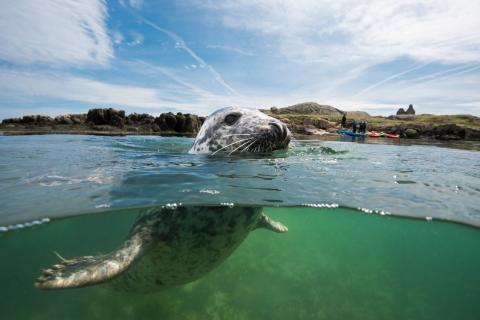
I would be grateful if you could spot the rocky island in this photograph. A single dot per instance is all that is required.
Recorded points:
(311, 118)
(308, 118)
(105, 121)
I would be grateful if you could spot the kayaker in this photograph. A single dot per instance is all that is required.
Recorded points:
(344, 120)
(354, 126)
(363, 126)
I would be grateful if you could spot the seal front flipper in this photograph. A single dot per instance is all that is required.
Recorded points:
(88, 270)
(267, 223)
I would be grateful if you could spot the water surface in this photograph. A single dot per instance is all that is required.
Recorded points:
(346, 256)
(62, 175)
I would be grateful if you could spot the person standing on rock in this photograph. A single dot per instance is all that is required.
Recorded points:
(344, 120)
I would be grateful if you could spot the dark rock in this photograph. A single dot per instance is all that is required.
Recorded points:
(78, 118)
(448, 132)
(190, 123)
(29, 119)
(140, 119)
(45, 120)
(161, 123)
(155, 127)
(171, 121)
(274, 110)
(472, 134)
(410, 110)
(12, 120)
(411, 133)
(401, 111)
(180, 126)
(65, 119)
(108, 116)
(449, 137)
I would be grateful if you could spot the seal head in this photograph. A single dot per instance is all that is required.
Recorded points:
(239, 130)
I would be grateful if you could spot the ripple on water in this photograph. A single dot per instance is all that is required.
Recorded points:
(89, 173)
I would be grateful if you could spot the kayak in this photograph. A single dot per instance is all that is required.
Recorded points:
(351, 133)
(375, 134)
(392, 136)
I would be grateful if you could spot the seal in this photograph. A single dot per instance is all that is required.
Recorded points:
(238, 130)
(170, 246)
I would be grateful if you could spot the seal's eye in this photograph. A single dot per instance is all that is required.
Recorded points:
(231, 118)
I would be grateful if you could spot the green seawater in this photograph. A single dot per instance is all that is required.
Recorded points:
(332, 264)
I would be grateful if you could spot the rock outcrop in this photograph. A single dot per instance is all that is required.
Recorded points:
(357, 114)
(429, 131)
(108, 120)
(410, 110)
(108, 116)
(308, 108)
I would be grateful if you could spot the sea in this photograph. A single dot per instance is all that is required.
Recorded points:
(378, 228)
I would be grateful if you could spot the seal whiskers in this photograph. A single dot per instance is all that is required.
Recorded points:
(248, 141)
(235, 142)
(246, 148)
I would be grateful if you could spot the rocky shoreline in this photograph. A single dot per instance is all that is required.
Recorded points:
(106, 121)
(302, 119)
(311, 118)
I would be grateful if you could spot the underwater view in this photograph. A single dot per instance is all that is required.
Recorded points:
(240, 160)
(377, 229)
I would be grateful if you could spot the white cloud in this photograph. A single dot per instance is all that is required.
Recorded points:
(180, 95)
(117, 37)
(137, 39)
(458, 91)
(54, 32)
(351, 30)
(60, 86)
(135, 4)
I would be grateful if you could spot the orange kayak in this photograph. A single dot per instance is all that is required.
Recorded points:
(392, 136)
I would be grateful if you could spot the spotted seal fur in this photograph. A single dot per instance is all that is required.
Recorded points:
(238, 129)
(173, 246)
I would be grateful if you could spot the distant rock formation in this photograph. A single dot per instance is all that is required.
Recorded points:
(274, 110)
(308, 108)
(410, 110)
(108, 116)
(402, 112)
(108, 120)
(357, 114)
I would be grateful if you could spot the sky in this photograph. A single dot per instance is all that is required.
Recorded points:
(66, 56)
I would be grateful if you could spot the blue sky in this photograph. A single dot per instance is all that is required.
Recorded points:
(195, 56)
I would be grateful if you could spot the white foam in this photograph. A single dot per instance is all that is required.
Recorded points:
(209, 191)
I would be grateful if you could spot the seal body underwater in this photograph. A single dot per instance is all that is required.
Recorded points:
(173, 246)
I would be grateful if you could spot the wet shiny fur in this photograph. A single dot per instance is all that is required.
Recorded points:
(253, 131)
